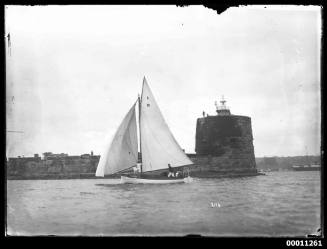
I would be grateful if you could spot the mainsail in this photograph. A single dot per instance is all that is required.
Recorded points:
(122, 153)
(158, 146)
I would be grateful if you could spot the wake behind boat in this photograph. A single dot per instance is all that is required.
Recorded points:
(158, 148)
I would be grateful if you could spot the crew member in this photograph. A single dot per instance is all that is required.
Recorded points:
(171, 171)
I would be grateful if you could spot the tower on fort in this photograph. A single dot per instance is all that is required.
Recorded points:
(224, 142)
(222, 109)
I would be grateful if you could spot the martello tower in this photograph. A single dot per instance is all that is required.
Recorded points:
(224, 142)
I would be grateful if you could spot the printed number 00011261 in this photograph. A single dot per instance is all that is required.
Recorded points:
(303, 243)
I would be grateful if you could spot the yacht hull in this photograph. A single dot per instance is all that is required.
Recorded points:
(132, 180)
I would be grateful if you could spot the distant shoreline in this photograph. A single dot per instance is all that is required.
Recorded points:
(84, 167)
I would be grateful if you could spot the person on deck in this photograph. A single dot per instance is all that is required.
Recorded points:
(171, 171)
(138, 169)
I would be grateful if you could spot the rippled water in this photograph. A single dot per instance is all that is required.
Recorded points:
(278, 204)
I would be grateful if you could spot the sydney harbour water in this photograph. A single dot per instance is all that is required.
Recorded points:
(277, 204)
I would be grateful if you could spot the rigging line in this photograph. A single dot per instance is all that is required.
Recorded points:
(159, 141)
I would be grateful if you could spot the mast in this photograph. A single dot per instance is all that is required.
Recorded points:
(139, 99)
(140, 124)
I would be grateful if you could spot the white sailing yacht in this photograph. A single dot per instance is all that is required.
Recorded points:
(158, 146)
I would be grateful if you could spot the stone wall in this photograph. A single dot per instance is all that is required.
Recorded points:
(65, 166)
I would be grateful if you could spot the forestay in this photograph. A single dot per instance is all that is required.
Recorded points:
(158, 145)
(122, 152)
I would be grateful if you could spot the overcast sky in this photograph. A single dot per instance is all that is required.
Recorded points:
(74, 72)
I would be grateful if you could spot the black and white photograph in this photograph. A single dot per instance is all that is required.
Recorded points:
(163, 120)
